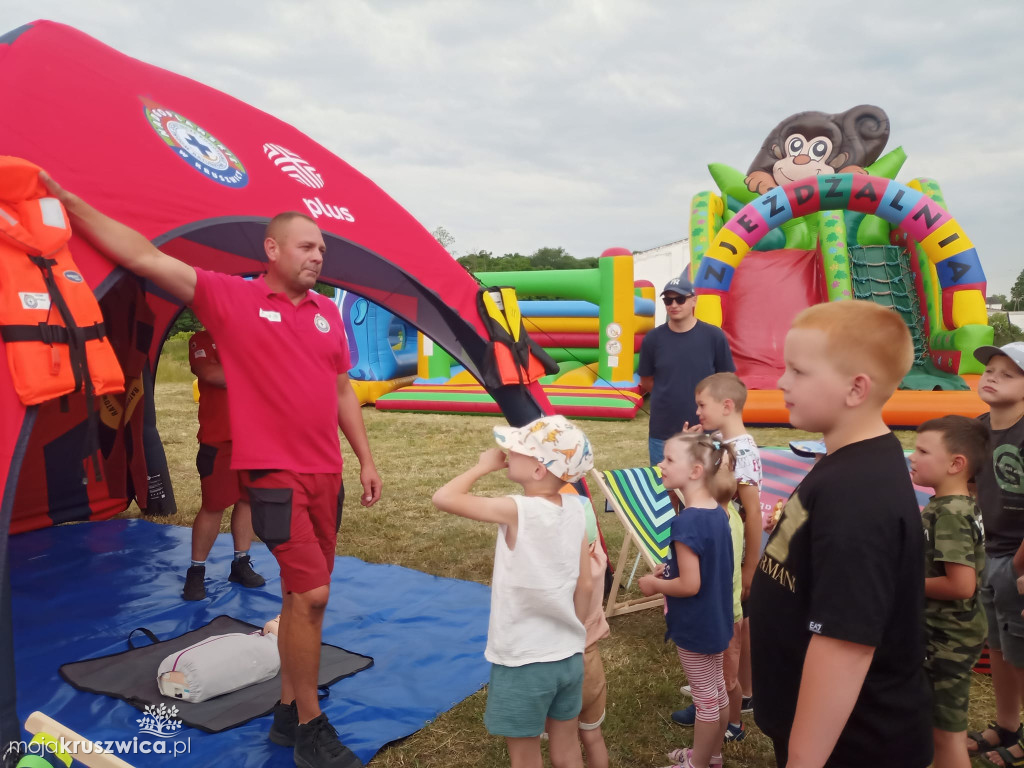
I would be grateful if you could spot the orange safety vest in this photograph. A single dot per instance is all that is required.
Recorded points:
(49, 319)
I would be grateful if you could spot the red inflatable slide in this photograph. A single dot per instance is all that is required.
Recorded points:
(766, 294)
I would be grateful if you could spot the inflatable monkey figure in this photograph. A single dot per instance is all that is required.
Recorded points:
(813, 143)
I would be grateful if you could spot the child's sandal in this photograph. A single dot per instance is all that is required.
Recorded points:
(1009, 759)
(681, 758)
(1007, 738)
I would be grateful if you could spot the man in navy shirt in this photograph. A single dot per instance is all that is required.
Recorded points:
(673, 359)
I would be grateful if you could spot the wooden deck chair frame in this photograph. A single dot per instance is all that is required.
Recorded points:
(631, 539)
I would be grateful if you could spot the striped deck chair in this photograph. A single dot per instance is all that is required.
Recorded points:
(642, 505)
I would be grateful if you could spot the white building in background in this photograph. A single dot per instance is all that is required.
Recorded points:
(659, 265)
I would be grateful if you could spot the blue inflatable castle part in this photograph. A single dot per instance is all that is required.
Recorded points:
(382, 346)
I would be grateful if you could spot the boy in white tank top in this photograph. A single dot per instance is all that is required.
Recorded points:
(540, 589)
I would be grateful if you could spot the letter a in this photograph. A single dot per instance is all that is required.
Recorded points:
(959, 270)
(867, 192)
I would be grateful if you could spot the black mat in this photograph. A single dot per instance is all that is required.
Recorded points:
(131, 676)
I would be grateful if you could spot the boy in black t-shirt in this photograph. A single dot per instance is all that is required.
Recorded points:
(1000, 483)
(837, 621)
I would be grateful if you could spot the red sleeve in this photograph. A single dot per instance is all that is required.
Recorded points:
(211, 299)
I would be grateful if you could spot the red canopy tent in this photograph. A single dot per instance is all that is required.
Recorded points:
(199, 173)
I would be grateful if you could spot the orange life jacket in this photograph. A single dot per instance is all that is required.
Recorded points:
(50, 321)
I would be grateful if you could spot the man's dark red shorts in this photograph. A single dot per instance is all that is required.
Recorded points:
(219, 483)
(297, 516)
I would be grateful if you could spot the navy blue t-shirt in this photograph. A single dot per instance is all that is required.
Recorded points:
(678, 362)
(702, 623)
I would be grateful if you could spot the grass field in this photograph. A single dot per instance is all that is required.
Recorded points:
(415, 455)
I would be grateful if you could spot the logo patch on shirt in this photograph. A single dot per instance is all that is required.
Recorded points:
(815, 626)
(271, 315)
(321, 323)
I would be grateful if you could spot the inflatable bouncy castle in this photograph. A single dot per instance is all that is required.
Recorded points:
(591, 330)
(819, 217)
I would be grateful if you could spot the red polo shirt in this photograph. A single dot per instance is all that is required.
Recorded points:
(281, 363)
(214, 426)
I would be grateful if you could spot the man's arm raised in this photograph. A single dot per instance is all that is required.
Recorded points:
(125, 246)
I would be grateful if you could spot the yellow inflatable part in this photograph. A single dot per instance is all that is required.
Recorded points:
(730, 255)
(709, 309)
(195, 390)
(369, 391)
(936, 252)
(584, 376)
(462, 378)
(969, 308)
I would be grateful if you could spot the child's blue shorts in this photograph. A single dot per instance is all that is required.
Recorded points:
(520, 699)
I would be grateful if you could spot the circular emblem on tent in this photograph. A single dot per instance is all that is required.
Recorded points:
(197, 147)
(71, 276)
(290, 163)
(321, 323)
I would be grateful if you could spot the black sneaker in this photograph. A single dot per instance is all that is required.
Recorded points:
(748, 704)
(317, 746)
(286, 720)
(194, 587)
(242, 573)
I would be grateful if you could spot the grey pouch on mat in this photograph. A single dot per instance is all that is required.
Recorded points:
(131, 676)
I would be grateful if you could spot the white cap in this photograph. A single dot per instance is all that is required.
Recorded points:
(555, 441)
(1014, 350)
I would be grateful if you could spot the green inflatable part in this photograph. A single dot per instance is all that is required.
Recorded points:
(889, 164)
(800, 233)
(835, 255)
(585, 355)
(703, 226)
(963, 340)
(931, 188)
(731, 182)
(926, 377)
(873, 231)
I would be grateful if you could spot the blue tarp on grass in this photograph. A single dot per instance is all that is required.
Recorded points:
(78, 590)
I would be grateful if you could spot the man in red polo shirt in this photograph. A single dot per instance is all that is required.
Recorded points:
(285, 362)
(219, 483)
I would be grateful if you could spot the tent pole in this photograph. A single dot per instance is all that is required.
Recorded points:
(10, 726)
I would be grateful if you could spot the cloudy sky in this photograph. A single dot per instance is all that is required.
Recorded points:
(589, 123)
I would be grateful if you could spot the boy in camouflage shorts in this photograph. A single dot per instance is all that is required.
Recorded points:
(948, 452)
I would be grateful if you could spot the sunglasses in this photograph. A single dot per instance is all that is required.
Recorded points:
(670, 300)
